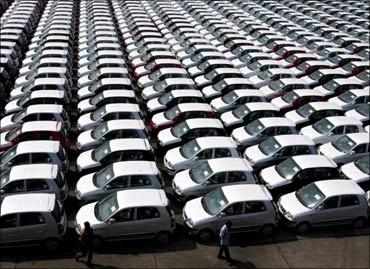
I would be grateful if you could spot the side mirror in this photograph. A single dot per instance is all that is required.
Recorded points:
(221, 215)
(259, 135)
(111, 220)
(10, 163)
(2, 191)
(196, 158)
(107, 187)
(352, 152)
(207, 182)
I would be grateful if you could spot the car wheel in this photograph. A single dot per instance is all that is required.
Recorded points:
(163, 237)
(267, 229)
(51, 244)
(205, 235)
(358, 223)
(98, 242)
(303, 227)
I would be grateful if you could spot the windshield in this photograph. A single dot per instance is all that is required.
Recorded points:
(290, 97)
(22, 101)
(211, 75)
(214, 202)
(8, 155)
(254, 66)
(305, 111)
(100, 131)
(323, 126)
(96, 99)
(105, 208)
(13, 133)
(276, 85)
(219, 86)
(316, 76)
(180, 129)
(363, 109)
(344, 144)
(230, 97)
(165, 98)
(155, 75)
(364, 165)
(265, 75)
(347, 97)
(103, 176)
(310, 196)
(288, 168)
(150, 65)
(95, 86)
(201, 172)
(254, 128)
(160, 86)
(190, 149)
(241, 111)
(18, 116)
(204, 65)
(4, 178)
(331, 85)
(269, 146)
(98, 114)
(172, 113)
(99, 153)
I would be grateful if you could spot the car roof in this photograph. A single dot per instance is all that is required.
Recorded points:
(118, 93)
(276, 121)
(129, 144)
(164, 61)
(174, 81)
(30, 126)
(313, 161)
(253, 106)
(229, 164)
(44, 171)
(204, 123)
(342, 81)
(343, 120)
(27, 202)
(110, 81)
(125, 124)
(194, 107)
(339, 187)
(38, 146)
(188, 92)
(44, 109)
(287, 81)
(325, 105)
(231, 81)
(308, 92)
(134, 198)
(135, 168)
(246, 192)
(122, 107)
(47, 93)
(360, 92)
(293, 139)
(215, 142)
(280, 70)
(250, 92)
(359, 138)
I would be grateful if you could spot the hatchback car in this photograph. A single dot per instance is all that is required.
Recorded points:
(358, 171)
(361, 113)
(352, 98)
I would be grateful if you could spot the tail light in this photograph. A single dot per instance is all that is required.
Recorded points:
(60, 228)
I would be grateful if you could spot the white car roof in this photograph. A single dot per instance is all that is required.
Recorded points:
(327, 71)
(107, 70)
(165, 61)
(293, 139)
(343, 120)
(172, 70)
(173, 81)
(231, 81)
(129, 144)
(135, 168)
(361, 92)
(118, 93)
(122, 107)
(215, 141)
(39, 126)
(325, 105)
(190, 92)
(312, 161)
(44, 109)
(343, 81)
(28, 202)
(269, 61)
(339, 187)
(277, 70)
(194, 107)
(308, 92)
(287, 81)
(253, 106)
(110, 81)
(222, 70)
(218, 61)
(44, 171)
(246, 192)
(125, 124)
(250, 92)
(359, 138)
(38, 146)
(276, 121)
(204, 123)
(229, 164)
(141, 197)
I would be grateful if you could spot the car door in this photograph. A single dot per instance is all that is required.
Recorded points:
(334, 134)
(253, 216)
(117, 184)
(40, 158)
(349, 208)
(9, 229)
(20, 159)
(32, 227)
(215, 181)
(122, 225)
(13, 188)
(234, 214)
(147, 221)
(37, 185)
(140, 181)
(326, 212)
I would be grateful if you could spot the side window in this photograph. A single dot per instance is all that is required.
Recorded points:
(40, 158)
(130, 134)
(120, 182)
(236, 176)
(254, 207)
(113, 157)
(110, 116)
(8, 221)
(205, 154)
(147, 213)
(32, 117)
(112, 135)
(44, 136)
(222, 152)
(330, 203)
(125, 215)
(14, 187)
(287, 151)
(283, 130)
(27, 219)
(351, 129)
(36, 185)
(22, 159)
(46, 116)
(301, 150)
(338, 130)
(325, 173)
(269, 131)
(234, 209)
(349, 200)
(218, 178)
(361, 148)
(140, 180)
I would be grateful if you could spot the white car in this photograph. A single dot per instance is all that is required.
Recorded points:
(226, 85)
(297, 171)
(161, 74)
(105, 72)
(264, 77)
(202, 148)
(167, 85)
(358, 171)
(46, 227)
(109, 130)
(209, 175)
(330, 128)
(248, 206)
(115, 150)
(261, 129)
(40, 178)
(276, 88)
(104, 84)
(339, 85)
(126, 215)
(322, 203)
(157, 63)
(235, 98)
(352, 98)
(347, 148)
(360, 113)
(118, 176)
(109, 112)
(190, 129)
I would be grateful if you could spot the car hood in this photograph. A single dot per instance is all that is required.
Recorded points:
(228, 118)
(351, 171)
(266, 90)
(159, 119)
(291, 204)
(254, 153)
(86, 213)
(12, 107)
(85, 138)
(194, 70)
(241, 136)
(255, 79)
(6, 123)
(219, 105)
(294, 117)
(16, 93)
(154, 105)
(330, 151)
(194, 210)
(85, 106)
(201, 80)
(84, 121)
(84, 93)
(85, 161)
(143, 80)
(271, 177)
(280, 103)
(209, 91)
(184, 182)
(311, 133)
(339, 102)
(149, 92)
(85, 185)
(165, 137)
(3, 142)
(175, 158)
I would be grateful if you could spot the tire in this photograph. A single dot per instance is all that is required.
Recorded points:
(359, 223)
(51, 244)
(267, 229)
(303, 227)
(205, 235)
(98, 242)
(163, 237)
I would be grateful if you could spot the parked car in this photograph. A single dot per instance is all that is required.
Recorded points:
(358, 171)
(322, 203)
(248, 206)
(279, 87)
(167, 85)
(360, 113)
(352, 98)
(124, 213)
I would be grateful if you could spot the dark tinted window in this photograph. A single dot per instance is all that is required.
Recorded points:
(13, 187)
(222, 152)
(9, 221)
(27, 219)
(140, 180)
(147, 213)
(36, 185)
(125, 215)
(254, 206)
(234, 209)
(331, 202)
(349, 200)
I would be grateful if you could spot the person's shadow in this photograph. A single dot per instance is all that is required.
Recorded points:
(242, 264)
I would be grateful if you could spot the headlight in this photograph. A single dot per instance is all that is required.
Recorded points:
(79, 168)
(289, 216)
(78, 145)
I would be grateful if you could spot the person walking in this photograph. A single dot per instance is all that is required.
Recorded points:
(87, 243)
(225, 241)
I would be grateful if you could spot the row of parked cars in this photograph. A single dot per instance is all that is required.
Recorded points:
(258, 112)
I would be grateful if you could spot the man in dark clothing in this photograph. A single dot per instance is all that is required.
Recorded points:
(87, 243)
(224, 241)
